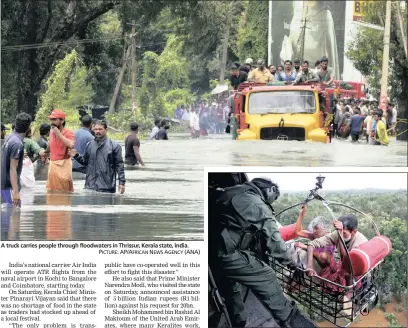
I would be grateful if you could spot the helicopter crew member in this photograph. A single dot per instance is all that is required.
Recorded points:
(246, 230)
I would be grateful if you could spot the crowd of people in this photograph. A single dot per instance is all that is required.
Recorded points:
(86, 152)
(61, 152)
(300, 72)
(203, 118)
(363, 120)
(358, 119)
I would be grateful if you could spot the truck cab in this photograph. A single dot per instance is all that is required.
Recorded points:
(282, 112)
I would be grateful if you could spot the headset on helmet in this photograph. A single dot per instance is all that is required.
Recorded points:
(270, 190)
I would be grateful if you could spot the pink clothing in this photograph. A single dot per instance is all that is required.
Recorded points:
(336, 274)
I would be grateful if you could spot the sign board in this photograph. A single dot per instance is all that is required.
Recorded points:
(359, 9)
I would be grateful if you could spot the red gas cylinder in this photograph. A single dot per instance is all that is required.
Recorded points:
(367, 255)
(288, 232)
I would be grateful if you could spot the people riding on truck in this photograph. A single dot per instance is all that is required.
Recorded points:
(306, 75)
(325, 73)
(287, 75)
(298, 69)
(247, 67)
(237, 77)
(272, 68)
(261, 74)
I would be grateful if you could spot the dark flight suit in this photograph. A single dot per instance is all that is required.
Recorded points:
(241, 209)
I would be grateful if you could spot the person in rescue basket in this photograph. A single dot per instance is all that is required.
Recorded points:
(246, 216)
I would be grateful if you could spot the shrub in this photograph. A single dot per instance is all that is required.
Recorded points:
(392, 320)
(122, 119)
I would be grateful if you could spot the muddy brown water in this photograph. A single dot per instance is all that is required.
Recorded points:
(164, 201)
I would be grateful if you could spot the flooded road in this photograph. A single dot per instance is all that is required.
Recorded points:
(164, 201)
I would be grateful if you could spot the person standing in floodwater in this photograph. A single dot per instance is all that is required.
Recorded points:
(132, 146)
(103, 159)
(162, 134)
(61, 140)
(82, 137)
(43, 140)
(155, 130)
(3, 132)
(44, 135)
(12, 154)
(195, 124)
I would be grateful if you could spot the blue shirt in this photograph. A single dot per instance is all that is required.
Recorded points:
(82, 137)
(13, 148)
(356, 123)
(373, 125)
(281, 76)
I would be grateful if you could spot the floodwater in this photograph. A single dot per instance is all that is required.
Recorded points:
(164, 201)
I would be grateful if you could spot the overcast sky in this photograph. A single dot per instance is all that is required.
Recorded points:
(336, 181)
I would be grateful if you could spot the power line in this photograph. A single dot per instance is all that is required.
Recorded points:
(22, 47)
(73, 42)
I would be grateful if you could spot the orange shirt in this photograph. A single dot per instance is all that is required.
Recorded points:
(57, 147)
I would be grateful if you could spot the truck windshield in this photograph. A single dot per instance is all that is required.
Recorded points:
(282, 102)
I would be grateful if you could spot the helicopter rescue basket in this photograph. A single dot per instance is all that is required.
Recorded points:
(336, 303)
(340, 308)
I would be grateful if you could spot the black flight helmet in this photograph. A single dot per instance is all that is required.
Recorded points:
(269, 189)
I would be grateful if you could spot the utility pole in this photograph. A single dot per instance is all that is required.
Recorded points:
(302, 49)
(119, 82)
(133, 65)
(303, 32)
(270, 59)
(386, 55)
(401, 24)
(225, 48)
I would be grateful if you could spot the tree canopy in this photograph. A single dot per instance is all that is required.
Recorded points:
(178, 47)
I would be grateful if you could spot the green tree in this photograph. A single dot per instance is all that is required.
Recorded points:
(56, 94)
(394, 272)
(103, 59)
(149, 89)
(172, 70)
(178, 97)
(42, 24)
(253, 31)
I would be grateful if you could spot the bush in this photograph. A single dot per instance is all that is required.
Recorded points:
(122, 119)
(392, 320)
(177, 97)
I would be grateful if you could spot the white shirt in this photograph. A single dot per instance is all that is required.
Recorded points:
(226, 111)
(195, 121)
(186, 116)
(394, 114)
(364, 110)
(153, 133)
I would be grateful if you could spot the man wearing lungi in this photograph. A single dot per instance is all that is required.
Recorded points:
(61, 140)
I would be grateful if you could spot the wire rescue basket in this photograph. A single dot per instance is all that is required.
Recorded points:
(334, 302)
(341, 307)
